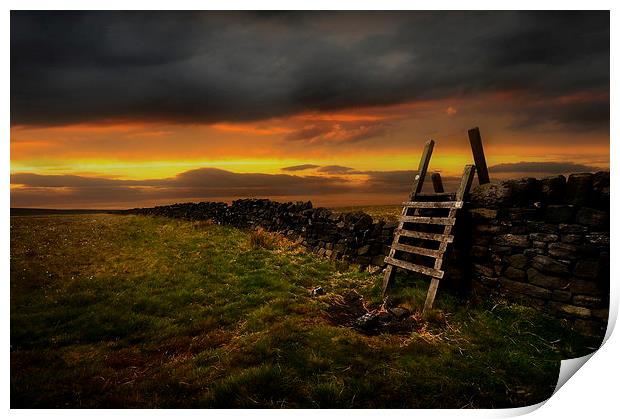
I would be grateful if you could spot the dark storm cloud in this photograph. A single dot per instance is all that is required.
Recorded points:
(300, 167)
(189, 67)
(542, 167)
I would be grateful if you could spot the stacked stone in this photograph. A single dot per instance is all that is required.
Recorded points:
(352, 237)
(188, 211)
(545, 243)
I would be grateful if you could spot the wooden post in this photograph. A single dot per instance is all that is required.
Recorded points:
(437, 183)
(476, 148)
(418, 182)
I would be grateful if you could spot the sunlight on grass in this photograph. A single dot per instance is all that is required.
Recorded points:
(130, 311)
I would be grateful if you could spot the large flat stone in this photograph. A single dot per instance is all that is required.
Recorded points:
(572, 229)
(571, 310)
(490, 195)
(516, 240)
(544, 237)
(514, 273)
(548, 265)
(524, 288)
(587, 301)
(547, 281)
(563, 251)
(483, 213)
(518, 261)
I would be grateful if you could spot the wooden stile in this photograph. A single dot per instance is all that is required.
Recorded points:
(411, 216)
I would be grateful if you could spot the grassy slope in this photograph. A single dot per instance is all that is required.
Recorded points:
(127, 311)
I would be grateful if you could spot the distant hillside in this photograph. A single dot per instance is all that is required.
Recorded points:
(50, 211)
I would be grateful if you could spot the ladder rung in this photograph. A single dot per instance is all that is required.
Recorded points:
(451, 196)
(435, 273)
(433, 204)
(428, 220)
(448, 238)
(418, 250)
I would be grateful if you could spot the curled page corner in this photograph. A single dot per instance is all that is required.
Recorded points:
(568, 368)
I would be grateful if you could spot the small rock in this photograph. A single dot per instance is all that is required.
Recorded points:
(400, 312)
(367, 321)
(363, 250)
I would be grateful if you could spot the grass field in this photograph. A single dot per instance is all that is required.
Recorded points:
(130, 311)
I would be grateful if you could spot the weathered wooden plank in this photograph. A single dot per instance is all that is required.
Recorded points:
(426, 236)
(418, 181)
(432, 288)
(388, 277)
(433, 204)
(435, 273)
(478, 151)
(428, 220)
(466, 181)
(430, 295)
(419, 250)
(437, 183)
(437, 197)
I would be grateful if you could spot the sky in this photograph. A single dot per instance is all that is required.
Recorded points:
(128, 109)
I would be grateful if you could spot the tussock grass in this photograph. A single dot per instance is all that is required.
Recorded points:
(130, 311)
(262, 239)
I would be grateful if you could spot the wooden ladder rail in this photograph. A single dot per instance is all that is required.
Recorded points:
(418, 182)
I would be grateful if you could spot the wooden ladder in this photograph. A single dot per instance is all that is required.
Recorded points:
(419, 223)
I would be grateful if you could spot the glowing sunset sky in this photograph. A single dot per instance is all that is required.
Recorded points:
(124, 109)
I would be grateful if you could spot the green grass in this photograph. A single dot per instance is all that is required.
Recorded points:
(130, 311)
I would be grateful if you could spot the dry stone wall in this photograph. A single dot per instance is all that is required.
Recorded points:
(543, 242)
